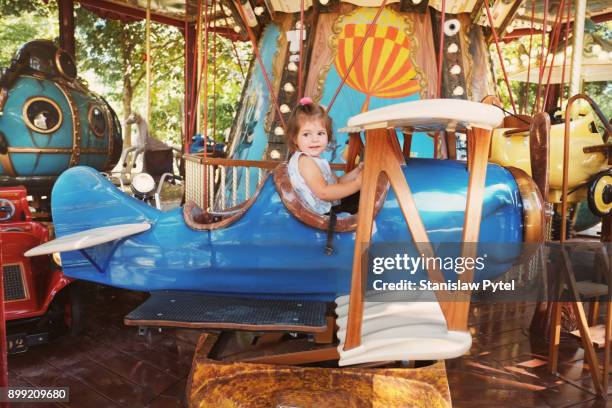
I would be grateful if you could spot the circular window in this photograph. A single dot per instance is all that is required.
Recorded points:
(97, 120)
(42, 115)
(65, 64)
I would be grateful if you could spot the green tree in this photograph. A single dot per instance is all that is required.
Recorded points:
(24, 21)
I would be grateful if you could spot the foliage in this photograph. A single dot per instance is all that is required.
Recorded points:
(24, 21)
(514, 55)
(111, 57)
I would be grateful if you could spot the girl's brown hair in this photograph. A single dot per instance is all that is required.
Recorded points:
(304, 112)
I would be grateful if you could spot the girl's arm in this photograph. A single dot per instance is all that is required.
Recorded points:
(351, 175)
(314, 180)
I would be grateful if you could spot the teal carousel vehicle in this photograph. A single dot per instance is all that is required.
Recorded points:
(50, 120)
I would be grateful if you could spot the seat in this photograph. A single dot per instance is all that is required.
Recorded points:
(199, 219)
(300, 211)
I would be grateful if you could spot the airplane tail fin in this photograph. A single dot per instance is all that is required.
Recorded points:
(83, 199)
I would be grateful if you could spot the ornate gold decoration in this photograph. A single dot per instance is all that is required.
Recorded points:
(30, 125)
(55, 150)
(110, 130)
(59, 67)
(76, 127)
(405, 22)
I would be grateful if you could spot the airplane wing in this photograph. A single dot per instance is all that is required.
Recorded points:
(88, 238)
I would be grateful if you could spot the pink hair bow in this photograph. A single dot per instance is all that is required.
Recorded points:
(305, 101)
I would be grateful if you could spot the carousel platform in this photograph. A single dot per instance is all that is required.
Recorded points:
(198, 311)
(111, 365)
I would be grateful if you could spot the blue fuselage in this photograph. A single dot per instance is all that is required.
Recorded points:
(268, 251)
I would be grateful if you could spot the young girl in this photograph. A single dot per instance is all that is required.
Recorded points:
(308, 133)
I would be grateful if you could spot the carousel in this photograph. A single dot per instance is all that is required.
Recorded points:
(288, 305)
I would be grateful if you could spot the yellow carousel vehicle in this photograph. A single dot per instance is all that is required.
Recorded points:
(511, 148)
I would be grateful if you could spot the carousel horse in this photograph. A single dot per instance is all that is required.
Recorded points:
(158, 157)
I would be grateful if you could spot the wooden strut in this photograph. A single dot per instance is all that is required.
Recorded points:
(381, 146)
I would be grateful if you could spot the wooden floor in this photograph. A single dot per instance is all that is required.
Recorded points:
(110, 365)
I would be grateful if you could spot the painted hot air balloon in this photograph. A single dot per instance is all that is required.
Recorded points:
(384, 68)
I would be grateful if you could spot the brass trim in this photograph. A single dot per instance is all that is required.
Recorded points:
(3, 98)
(76, 127)
(30, 125)
(534, 220)
(58, 66)
(7, 165)
(405, 25)
(56, 150)
(23, 282)
(92, 106)
(110, 128)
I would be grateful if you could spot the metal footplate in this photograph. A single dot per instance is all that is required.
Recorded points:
(200, 311)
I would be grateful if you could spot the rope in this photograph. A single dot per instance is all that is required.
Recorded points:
(263, 69)
(233, 45)
(214, 75)
(186, 141)
(553, 48)
(514, 115)
(526, 100)
(300, 90)
(536, 106)
(205, 73)
(148, 60)
(194, 71)
(441, 50)
(501, 60)
(365, 38)
(567, 25)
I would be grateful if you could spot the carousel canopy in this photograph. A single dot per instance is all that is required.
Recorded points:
(594, 69)
(508, 15)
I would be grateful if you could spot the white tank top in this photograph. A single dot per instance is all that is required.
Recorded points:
(299, 185)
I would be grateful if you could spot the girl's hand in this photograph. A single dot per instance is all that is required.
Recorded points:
(359, 178)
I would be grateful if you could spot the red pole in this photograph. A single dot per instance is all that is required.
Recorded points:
(190, 34)
(3, 348)
(66, 26)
